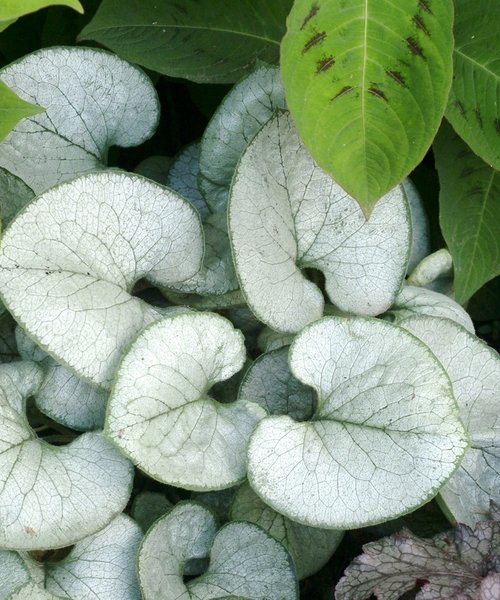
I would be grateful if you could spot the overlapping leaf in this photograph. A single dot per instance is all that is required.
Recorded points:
(214, 41)
(69, 261)
(474, 370)
(310, 547)
(93, 100)
(14, 195)
(13, 109)
(413, 301)
(160, 412)
(248, 106)
(102, 565)
(270, 383)
(63, 396)
(474, 103)
(286, 214)
(52, 496)
(244, 561)
(385, 436)
(367, 83)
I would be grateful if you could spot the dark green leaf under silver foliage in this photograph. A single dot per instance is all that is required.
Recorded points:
(469, 212)
(208, 41)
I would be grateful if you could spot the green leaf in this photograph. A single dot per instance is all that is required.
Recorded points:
(52, 496)
(287, 214)
(93, 253)
(367, 83)
(474, 371)
(469, 212)
(13, 109)
(474, 103)
(209, 41)
(12, 9)
(174, 363)
(386, 434)
(244, 560)
(5, 24)
(93, 100)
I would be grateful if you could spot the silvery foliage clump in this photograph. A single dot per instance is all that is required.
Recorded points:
(291, 405)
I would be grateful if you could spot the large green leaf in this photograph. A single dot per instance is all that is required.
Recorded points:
(367, 83)
(474, 103)
(469, 213)
(12, 9)
(13, 109)
(202, 40)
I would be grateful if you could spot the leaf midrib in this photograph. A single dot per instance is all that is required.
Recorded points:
(194, 27)
(480, 225)
(363, 93)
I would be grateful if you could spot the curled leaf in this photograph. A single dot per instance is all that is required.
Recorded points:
(244, 561)
(93, 100)
(287, 214)
(474, 371)
(52, 496)
(67, 266)
(160, 412)
(385, 436)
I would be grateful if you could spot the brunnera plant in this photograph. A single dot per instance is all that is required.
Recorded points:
(210, 373)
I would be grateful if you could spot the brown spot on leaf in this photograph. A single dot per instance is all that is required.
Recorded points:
(497, 125)
(461, 109)
(378, 93)
(29, 530)
(312, 13)
(324, 64)
(396, 75)
(317, 38)
(414, 47)
(419, 22)
(424, 5)
(479, 119)
(345, 90)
